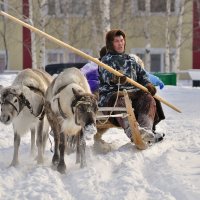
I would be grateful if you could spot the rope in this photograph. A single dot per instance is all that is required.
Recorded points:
(105, 121)
(51, 148)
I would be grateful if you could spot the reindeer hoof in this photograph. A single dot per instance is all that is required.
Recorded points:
(61, 168)
(40, 161)
(14, 164)
(83, 164)
(55, 160)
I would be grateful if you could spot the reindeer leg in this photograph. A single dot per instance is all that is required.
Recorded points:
(56, 158)
(61, 166)
(45, 134)
(32, 141)
(39, 142)
(44, 139)
(82, 150)
(54, 123)
(78, 149)
(17, 140)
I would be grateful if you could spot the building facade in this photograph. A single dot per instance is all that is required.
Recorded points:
(80, 24)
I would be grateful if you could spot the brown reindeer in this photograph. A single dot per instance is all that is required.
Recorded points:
(71, 111)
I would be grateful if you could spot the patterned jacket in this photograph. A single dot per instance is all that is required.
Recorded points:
(126, 65)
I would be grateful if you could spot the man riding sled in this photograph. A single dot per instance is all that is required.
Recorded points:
(111, 86)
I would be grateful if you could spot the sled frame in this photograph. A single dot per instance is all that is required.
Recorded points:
(128, 111)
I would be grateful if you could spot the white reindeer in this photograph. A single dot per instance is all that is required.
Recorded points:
(22, 104)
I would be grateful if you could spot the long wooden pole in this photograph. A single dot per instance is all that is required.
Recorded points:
(86, 56)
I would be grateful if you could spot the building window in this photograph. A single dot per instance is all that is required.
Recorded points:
(156, 62)
(156, 6)
(54, 56)
(157, 58)
(2, 61)
(74, 58)
(61, 8)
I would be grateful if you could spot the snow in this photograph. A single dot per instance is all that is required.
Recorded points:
(166, 171)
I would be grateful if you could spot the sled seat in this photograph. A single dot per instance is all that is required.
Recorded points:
(102, 120)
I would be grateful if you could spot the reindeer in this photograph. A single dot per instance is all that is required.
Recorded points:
(22, 104)
(71, 111)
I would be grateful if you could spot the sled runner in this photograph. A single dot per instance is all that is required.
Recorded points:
(124, 112)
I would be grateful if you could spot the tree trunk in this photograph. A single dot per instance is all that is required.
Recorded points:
(147, 35)
(167, 38)
(33, 40)
(105, 10)
(3, 34)
(123, 17)
(176, 64)
(42, 49)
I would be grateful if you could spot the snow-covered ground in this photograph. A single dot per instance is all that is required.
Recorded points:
(167, 171)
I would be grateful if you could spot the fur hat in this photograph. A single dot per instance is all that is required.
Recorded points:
(110, 38)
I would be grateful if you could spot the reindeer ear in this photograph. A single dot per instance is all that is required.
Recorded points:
(77, 93)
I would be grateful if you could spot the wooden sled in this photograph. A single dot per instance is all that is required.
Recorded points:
(126, 112)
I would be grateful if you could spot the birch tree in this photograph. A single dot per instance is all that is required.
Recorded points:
(100, 24)
(178, 34)
(105, 12)
(167, 37)
(123, 17)
(33, 38)
(41, 57)
(147, 35)
(3, 35)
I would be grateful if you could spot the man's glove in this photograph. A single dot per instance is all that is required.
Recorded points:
(155, 80)
(151, 88)
(119, 79)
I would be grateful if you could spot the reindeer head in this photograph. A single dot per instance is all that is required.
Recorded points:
(85, 108)
(10, 103)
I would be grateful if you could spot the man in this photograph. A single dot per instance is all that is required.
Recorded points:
(143, 103)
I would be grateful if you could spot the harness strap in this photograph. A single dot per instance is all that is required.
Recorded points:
(82, 100)
(12, 106)
(25, 102)
(60, 110)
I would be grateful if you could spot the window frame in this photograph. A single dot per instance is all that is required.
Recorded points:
(160, 51)
(58, 11)
(57, 51)
(87, 51)
(137, 12)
